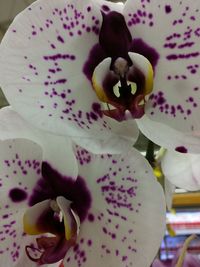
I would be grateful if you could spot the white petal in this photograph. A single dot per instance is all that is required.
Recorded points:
(57, 150)
(182, 170)
(45, 51)
(20, 170)
(124, 135)
(126, 219)
(13, 240)
(167, 33)
(20, 162)
(59, 154)
(168, 137)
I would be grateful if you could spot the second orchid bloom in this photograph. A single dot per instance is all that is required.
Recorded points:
(107, 209)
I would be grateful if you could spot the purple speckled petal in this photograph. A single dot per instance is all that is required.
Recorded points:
(171, 29)
(25, 261)
(126, 220)
(182, 170)
(13, 240)
(20, 162)
(12, 126)
(50, 41)
(45, 51)
(20, 170)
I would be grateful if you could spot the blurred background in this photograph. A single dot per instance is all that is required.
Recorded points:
(183, 218)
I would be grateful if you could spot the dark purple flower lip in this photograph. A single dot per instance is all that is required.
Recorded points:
(120, 114)
(52, 186)
(126, 100)
(115, 42)
(50, 249)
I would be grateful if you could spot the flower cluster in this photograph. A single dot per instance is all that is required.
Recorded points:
(82, 78)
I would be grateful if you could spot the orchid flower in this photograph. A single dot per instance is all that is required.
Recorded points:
(182, 170)
(106, 210)
(87, 68)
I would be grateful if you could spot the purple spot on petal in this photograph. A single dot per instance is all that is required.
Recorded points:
(91, 217)
(105, 8)
(168, 9)
(88, 8)
(17, 195)
(181, 149)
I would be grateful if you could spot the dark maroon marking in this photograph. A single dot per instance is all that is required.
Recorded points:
(59, 56)
(88, 8)
(142, 48)
(105, 8)
(182, 56)
(115, 38)
(96, 55)
(91, 217)
(168, 9)
(181, 149)
(93, 116)
(53, 184)
(52, 249)
(17, 195)
(97, 109)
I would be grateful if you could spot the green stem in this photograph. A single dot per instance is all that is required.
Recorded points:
(150, 152)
